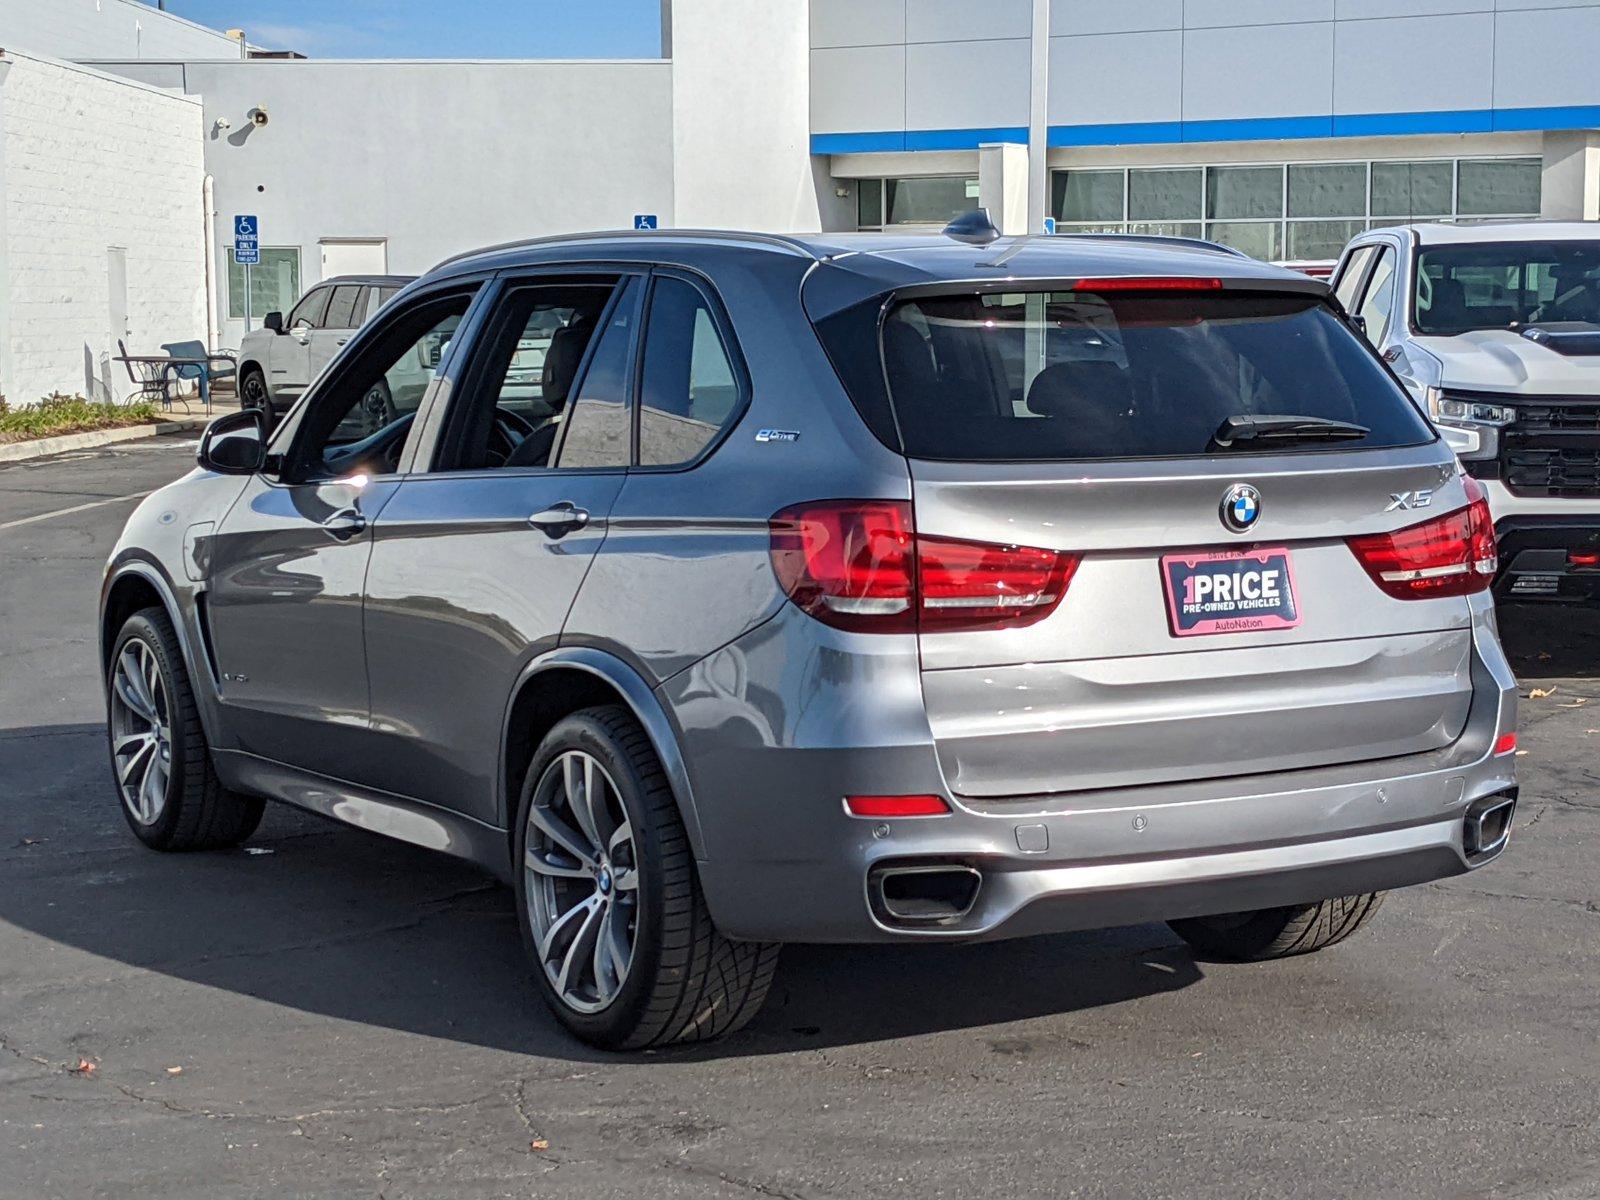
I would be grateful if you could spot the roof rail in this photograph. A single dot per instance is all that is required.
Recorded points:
(792, 245)
(1162, 239)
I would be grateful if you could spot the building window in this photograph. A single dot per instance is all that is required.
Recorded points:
(914, 200)
(274, 283)
(1291, 211)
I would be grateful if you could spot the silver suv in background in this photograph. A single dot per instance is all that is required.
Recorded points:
(847, 588)
(1495, 327)
(278, 361)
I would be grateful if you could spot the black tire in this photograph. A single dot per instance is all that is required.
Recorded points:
(686, 982)
(377, 408)
(197, 812)
(253, 390)
(1278, 932)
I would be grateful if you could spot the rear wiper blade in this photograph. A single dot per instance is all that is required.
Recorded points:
(1249, 428)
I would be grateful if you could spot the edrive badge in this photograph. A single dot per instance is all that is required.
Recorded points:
(1241, 507)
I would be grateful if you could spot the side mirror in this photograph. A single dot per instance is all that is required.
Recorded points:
(273, 321)
(1359, 324)
(235, 444)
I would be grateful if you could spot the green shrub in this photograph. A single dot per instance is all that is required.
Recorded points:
(59, 413)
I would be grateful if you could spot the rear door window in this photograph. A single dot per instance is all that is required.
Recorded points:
(342, 308)
(1377, 305)
(1126, 374)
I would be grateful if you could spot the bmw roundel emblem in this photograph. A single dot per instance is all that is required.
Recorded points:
(1241, 507)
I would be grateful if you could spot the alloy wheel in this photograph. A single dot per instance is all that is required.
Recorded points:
(141, 731)
(581, 878)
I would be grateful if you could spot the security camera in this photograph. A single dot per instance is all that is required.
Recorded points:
(258, 116)
(223, 125)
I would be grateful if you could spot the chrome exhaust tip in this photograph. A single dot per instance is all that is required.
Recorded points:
(1487, 827)
(924, 894)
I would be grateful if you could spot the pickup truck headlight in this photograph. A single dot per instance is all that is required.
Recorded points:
(1471, 426)
(1446, 407)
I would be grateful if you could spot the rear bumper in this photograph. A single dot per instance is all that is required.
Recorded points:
(1536, 556)
(784, 861)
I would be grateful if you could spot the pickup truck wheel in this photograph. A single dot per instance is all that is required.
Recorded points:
(160, 762)
(1278, 932)
(610, 906)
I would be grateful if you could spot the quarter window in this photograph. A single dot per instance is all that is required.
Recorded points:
(1350, 277)
(689, 390)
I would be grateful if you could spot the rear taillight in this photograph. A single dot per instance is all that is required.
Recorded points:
(1452, 555)
(861, 565)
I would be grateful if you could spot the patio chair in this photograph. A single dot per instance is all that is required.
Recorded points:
(197, 363)
(151, 377)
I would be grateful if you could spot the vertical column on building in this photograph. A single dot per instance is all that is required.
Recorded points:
(1003, 185)
(1039, 120)
(1570, 185)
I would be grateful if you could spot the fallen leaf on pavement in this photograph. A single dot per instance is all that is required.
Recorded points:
(539, 1144)
(84, 1067)
(174, 1070)
(1541, 693)
(1522, 753)
(1578, 703)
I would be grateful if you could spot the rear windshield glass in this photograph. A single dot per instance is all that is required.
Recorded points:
(1085, 375)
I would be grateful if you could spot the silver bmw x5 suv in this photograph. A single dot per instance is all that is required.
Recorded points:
(835, 589)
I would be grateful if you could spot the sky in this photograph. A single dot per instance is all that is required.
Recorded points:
(439, 28)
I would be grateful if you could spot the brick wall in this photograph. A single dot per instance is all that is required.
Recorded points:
(89, 162)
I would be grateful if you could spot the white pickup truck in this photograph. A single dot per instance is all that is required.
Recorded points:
(1495, 327)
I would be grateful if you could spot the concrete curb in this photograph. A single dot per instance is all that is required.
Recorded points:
(44, 447)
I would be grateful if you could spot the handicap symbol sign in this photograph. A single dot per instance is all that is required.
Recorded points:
(645, 221)
(244, 228)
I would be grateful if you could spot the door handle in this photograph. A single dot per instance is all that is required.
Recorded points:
(345, 524)
(560, 519)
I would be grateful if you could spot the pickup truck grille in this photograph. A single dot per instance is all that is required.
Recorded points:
(1553, 447)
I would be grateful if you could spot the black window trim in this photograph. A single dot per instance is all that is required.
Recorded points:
(730, 347)
(283, 445)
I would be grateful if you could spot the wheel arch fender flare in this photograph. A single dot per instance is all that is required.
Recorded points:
(156, 579)
(639, 697)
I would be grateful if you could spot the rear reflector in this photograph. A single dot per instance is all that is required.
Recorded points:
(1584, 559)
(861, 565)
(1452, 555)
(1507, 744)
(896, 806)
(1147, 283)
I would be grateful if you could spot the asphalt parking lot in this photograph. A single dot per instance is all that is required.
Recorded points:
(325, 1013)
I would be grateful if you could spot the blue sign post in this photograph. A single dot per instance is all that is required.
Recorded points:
(645, 221)
(247, 253)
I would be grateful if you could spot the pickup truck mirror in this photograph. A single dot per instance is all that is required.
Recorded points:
(273, 321)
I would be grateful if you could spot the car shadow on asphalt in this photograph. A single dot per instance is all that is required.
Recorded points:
(326, 919)
(1550, 641)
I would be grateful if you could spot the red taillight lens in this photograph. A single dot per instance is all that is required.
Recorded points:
(849, 563)
(860, 565)
(1452, 555)
(1507, 744)
(896, 806)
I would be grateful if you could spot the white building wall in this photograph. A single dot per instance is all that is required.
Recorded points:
(740, 119)
(89, 162)
(119, 29)
(433, 157)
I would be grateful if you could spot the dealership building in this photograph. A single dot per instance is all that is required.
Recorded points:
(130, 139)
